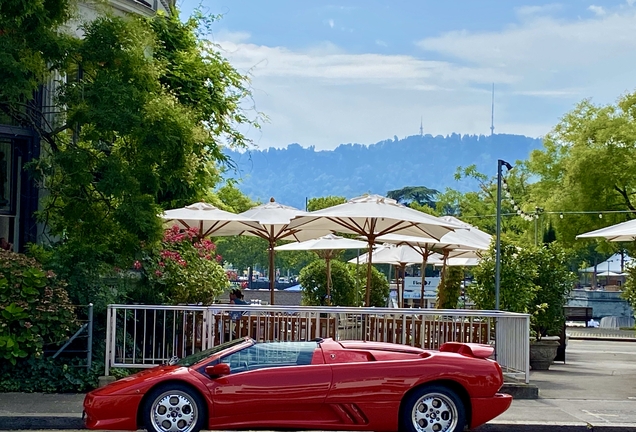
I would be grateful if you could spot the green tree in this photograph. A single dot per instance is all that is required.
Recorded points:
(418, 194)
(588, 163)
(379, 285)
(534, 280)
(324, 202)
(313, 279)
(32, 45)
(629, 290)
(517, 287)
(479, 207)
(554, 282)
(150, 106)
(449, 290)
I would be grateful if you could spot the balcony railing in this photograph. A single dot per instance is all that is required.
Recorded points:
(141, 336)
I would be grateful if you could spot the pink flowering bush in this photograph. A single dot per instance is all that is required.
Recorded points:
(185, 269)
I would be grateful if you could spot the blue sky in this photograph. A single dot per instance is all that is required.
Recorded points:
(327, 73)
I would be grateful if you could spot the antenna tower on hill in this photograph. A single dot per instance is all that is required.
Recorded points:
(492, 112)
(421, 126)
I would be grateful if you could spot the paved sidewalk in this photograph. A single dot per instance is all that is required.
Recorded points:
(588, 333)
(594, 390)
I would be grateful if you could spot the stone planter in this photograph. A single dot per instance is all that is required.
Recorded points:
(542, 352)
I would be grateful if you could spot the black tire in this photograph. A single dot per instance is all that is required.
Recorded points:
(174, 407)
(433, 408)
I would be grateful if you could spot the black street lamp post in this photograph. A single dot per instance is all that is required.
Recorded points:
(500, 163)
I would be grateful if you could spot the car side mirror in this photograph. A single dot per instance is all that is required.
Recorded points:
(217, 370)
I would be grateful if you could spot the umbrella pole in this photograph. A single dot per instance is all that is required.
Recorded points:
(369, 264)
(423, 276)
(272, 275)
(328, 260)
(403, 283)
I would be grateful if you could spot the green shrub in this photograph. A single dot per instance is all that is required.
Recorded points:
(34, 307)
(379, 285)
(48, 375)
(534, 280)
(184, 269)
(313, 279)
(449, 290)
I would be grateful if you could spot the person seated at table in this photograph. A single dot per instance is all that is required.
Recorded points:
(239, 298)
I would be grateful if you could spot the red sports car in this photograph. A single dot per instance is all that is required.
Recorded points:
(322, 384)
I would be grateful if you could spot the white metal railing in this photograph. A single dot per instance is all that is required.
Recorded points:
(142, 336)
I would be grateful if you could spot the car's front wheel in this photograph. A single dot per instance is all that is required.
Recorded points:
(433, 408)
(173, 408)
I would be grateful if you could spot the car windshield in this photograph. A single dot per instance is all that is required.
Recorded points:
(271, 354)
(197, 357)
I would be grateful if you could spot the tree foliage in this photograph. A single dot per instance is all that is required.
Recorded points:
(324, 202)
(313, 279)
(32, 45)
(588, 163)
(34, 308)
(148, 105)
(419, 194)
(184, 269)
(629, 291)
(534, 280)
(450, 288)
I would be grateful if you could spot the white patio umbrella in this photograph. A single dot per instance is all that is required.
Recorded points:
(624, 231)
(328, 244)
(372, 216)
(469, 235)
(273, 224)
(456, 247)
(607, 273)
(207, 219)
(452, 245)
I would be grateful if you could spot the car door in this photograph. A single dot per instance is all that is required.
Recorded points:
(271, 383)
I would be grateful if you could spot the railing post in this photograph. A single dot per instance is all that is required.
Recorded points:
(108, 340)
(526, 338)
(89, 343)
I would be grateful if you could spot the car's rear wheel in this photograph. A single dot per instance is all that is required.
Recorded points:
(173, 408)
(433, 408)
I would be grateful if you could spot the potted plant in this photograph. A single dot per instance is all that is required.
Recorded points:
(554, 282)
(534, 280)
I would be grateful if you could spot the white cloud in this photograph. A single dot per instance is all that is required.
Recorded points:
(331, 23)
(233, 37)
(524, 11)
(542, 66)
(597, 10)
(381, 43)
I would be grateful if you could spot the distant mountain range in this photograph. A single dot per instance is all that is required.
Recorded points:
(294, 174)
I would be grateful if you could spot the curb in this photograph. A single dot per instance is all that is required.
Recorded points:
(554, 427)
(61, 422)
(39, 421)
(520, 390)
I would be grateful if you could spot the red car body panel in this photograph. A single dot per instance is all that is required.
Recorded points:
(349, 385)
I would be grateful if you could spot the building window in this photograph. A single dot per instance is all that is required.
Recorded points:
(6, 177)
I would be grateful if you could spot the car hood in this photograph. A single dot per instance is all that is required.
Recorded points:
(140, 381)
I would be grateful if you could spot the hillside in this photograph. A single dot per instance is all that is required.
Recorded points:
(293, 174)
